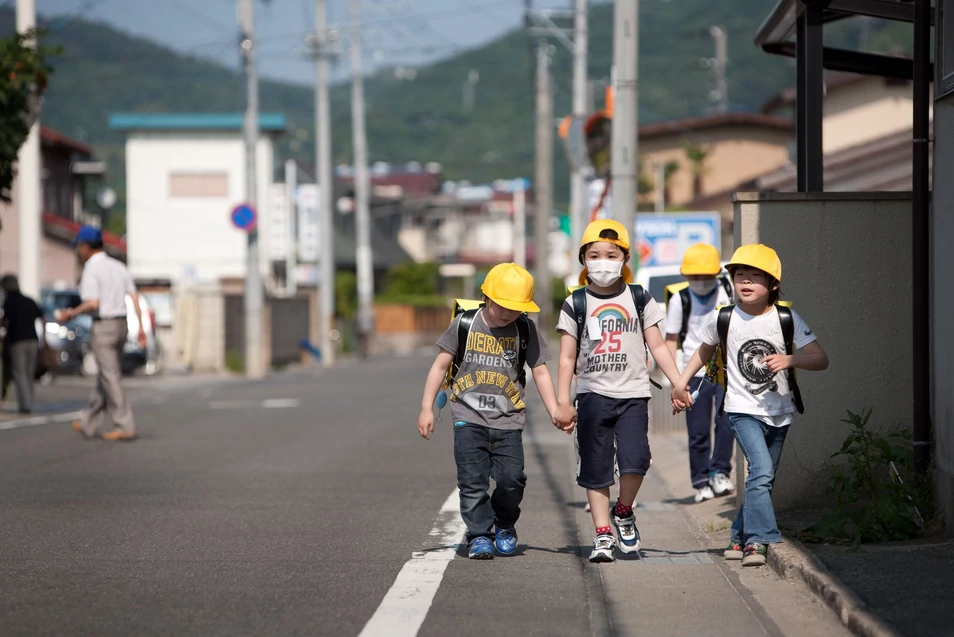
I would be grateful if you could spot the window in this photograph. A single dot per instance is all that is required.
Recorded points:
(944, 56)
(197, 184)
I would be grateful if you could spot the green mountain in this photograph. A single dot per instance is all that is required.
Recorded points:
(103, 71)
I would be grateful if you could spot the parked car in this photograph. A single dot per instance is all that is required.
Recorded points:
(71, 339)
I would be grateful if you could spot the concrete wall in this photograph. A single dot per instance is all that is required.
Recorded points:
(166, 235)
(942, 339)
(846, 263)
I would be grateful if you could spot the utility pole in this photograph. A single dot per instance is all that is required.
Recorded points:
(543, 184)
(291, 208)
(624, 147)
(363, 257)
(254, 363)
(520, 223)
(660, 187)
(28, 197)
(578, 216)
(324, 49)
(720, 95)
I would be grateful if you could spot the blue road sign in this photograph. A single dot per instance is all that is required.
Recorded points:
(661, 239)
(244, 217)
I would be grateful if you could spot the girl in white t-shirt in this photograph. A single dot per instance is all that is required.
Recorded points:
(760, 401)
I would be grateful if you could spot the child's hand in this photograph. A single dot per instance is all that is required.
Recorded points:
(564, 417)
(681, 399)
(425, 423)
(778, 362)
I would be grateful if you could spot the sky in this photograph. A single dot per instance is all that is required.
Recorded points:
(394, 32)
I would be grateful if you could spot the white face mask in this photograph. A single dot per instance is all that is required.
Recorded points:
(702, 288)
(604, 272)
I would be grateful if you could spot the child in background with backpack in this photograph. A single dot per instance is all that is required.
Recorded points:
(758, 339)
(487, 405)
(606, 328)
(710, 454)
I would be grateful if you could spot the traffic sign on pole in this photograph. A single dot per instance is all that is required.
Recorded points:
(244, 217)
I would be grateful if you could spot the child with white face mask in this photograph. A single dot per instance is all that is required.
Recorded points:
(605, 330)
(710, 448)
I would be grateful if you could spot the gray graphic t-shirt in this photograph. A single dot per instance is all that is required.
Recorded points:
(486, 390)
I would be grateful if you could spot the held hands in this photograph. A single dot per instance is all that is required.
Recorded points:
(681, 399)
(63, 315)
(142, 338)
(778, 362)
(425, 423)
(564, 418)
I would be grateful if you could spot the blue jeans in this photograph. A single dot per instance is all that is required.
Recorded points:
(483, 453)
(705, 459)
(762, 447)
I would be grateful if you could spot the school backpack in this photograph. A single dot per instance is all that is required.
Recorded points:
(685, 298)
(718, 364)
(578, 301)
(467, 309)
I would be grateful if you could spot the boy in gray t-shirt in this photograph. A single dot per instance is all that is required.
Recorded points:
(487, 404)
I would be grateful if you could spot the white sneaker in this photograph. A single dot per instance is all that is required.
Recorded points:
(721, 484)
(603, 549)
(704, 493)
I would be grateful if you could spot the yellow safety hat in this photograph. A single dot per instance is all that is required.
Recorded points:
(702, 259)
(592, 233)
(756, 255)
(510, 286)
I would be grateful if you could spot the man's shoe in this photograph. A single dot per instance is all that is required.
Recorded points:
(603, 547)
(505, 541)
(78, 428)
(117, 435)
(703, 494)
(733, 551)
(754, 554)
(627, 531)
(481, 548)
(721, 484)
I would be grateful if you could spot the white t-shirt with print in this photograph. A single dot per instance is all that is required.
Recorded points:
(612, 360)
(698, 309)
(752, 388)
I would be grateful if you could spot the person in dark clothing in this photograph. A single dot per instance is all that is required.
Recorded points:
(20, 314)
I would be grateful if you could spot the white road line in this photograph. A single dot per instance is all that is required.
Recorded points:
(404, 608)
(40, 420)
(268, 403)
(281, 403)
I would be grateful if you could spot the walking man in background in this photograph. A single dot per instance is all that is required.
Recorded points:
(20, 316)
(103, 289)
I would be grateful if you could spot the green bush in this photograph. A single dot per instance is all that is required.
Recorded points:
(235, 362)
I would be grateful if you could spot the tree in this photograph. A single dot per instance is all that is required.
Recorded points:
(696, 154)
(24, 72)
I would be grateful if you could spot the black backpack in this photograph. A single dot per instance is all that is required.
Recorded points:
(463, 332)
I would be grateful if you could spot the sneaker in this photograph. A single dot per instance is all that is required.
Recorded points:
(627, 531)
(721, 484)
(603, 547)
(481, 548)
(703, 494)
(733, 551)
(506, 541)
(754, 555)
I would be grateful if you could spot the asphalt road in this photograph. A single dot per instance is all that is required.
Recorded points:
(289, 507)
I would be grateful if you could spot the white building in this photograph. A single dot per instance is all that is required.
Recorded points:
(184, 174)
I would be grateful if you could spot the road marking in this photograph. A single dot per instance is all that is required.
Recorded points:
(404, 608)
(268, 403)
(40, 420)
(281, 403)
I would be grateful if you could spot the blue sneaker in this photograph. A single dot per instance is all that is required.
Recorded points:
(506, 541)
(481, 549)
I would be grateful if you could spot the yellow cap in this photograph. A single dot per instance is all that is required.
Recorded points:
(702, 259)
(592, 233)
(510, 286)
(756, 255)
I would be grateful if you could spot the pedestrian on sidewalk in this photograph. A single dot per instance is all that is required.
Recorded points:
(103, 288)
(710, 452)
(606, 329)
(487, 394)
(758, 338)
(24, 325)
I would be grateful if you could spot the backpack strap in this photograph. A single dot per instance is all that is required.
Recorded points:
(463, 335)
(639, 300)
(578, 299)
(722, 326)
(523, 334)
(727, 286)
(686, 299)
(787, 323)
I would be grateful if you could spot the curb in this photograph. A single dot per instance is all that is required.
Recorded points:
(792, 560)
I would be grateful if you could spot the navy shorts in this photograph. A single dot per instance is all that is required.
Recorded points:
(611, 431)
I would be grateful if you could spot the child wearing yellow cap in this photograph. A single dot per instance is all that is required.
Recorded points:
(605, 329)
(487, 405)
(761, 344)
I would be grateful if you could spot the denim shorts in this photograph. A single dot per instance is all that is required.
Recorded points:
(608, 430)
